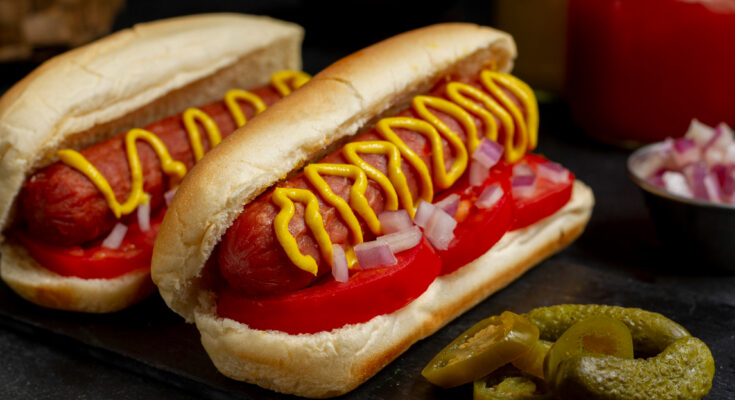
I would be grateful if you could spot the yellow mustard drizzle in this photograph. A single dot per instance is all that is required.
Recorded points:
(283, 198)
(466, 96)
(397, 179)
(286, 81)
(136, 197)
(190, 117)
(462, 105)
(234, 95)
(283, 81)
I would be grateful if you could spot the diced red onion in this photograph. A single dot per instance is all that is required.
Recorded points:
(395, 221)
(553, 172)
(374, 254)
(700, 133)
(712, 187)
(695, 174)
(684, 152)
(403, 240)
(440, 229)
(489, 196)
(727, 182)
(657, 178)
(169, 196)
(722, 138)
(116, 236)
(424, 212)
(478, 173)
(523, 170)
(676, 183)
(449, 204)
(730, 154)
(339, 264)
(523, 185)
(144, 216)
(705, 157)
(488, 153)
(714, 155)
(720, 172)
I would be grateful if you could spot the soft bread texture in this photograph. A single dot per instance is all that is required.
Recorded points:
(51, 290)
(128, 79)
(328, 364)
(339, 102)
(336, 104)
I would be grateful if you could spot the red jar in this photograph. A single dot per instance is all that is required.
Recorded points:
(639, 70)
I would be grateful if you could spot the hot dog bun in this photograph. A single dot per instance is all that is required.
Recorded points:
(342, 100)
(128, 79)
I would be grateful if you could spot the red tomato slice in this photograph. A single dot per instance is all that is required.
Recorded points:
(482, 228)
(329, 304)
(95, 261)
(546, 200)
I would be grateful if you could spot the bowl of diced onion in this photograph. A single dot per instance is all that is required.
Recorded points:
(689, 187)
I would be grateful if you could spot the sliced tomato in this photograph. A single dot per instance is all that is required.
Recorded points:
(93, 261)
(329, 304)
(480, 229)
(547, 199)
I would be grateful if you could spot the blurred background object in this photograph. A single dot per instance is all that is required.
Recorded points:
(639, 71)
(31, 29)
(539, 29)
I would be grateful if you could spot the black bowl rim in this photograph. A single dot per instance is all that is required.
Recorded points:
(653, 189)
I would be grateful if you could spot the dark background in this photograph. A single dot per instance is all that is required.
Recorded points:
(148, 352)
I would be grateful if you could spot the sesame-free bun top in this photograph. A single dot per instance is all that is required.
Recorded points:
(132, 78)
(336, 104)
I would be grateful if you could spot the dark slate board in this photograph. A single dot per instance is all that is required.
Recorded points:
(149, 339)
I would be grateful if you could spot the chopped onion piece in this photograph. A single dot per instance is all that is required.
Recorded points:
(714, 155)
(488, 153)
(523, 185)
(727, 180)
(489, 196)
(695, 174)
(374, 254)
(144, 216)
(700, 133)
(449, 204)
(523, 170)
(722, 138)
(424, 212)
(403, 240)
(394, 221)
(705, 157)
(440, 229)
(553, 172)
(339, 264)
(730, 154)
(169, 196)
(684, 152)
(712, 187)
(116, 236)
(478, 173)
(676, 183)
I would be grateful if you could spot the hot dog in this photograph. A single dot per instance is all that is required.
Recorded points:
(248, 262)
(94, 162)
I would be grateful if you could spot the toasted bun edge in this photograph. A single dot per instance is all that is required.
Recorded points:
(51, 290)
